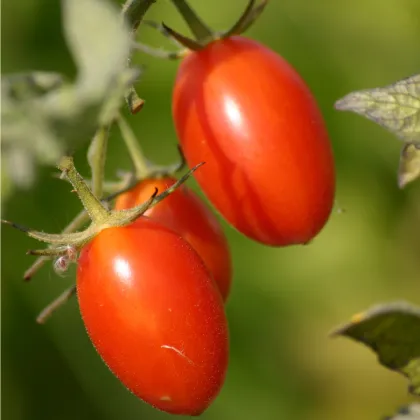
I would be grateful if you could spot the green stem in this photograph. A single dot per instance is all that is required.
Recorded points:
(188, 43)
(96, 157)
(161, 53)
(199, 29)
(236, 29)
(49, 252)
(134, 11)
(160, 28)
(97, 212)
(140, 164)
(75, 224)
(57, 303)
(247, 20)
(124, 217)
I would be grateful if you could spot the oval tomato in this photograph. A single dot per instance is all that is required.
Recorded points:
(155, 315)
(185, 213)
(246, 112)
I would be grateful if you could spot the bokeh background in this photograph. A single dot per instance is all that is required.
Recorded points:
(284, 301)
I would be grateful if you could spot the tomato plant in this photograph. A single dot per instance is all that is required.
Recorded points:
(247, 113)
(155, 315)
(153, 273)
(185, 213)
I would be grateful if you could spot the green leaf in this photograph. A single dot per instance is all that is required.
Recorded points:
(395, 107)
(392, 331)
(411, 412)
(409, 169)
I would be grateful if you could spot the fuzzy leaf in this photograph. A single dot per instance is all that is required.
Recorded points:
(392, 331)
(409, 169)
(99, 41)
(30, 84)
(43, 117)
(395, 107)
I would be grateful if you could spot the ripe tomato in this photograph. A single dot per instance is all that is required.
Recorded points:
(186, 214)
(246, 112)
(154, 315)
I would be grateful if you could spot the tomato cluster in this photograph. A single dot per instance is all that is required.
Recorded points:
(269, 171)
(152, 288)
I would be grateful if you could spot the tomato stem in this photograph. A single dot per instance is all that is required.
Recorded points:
(49, 252)
(96, 157)
(124, 217)
(55, 304)
(161, 29)
(140, 163)
(75, 224)
(161, 53)
(163, 171)
(248, 17)
(199, 29)
(97, 212)
(101, 218)
(133, 12)
(183, 40)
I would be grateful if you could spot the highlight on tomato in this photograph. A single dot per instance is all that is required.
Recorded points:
(154, 315)
(248, 114)
(185, 213)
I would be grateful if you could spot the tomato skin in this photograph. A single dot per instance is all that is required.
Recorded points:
(185, 213)
(154, 315)
(243, 110)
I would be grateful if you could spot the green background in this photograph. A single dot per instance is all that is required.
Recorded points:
(284, 302)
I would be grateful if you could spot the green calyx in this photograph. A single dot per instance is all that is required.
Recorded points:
(142, 169)
(101, 217)
(203, 35)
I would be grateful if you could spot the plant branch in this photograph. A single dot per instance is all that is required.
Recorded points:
(75, 224)
(96, 157)
(188, 43)
(133, 12)
(160, 28)
(97, 212)
(161, 53)
(55, 304)
(247, 20)
(199, 29)
(141, 166)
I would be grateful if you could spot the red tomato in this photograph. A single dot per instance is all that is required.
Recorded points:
(246, 112)
(154, 315)
(186, 214)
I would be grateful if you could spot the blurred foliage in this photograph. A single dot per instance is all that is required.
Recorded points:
(411, 412)
(43, 117)
(409, 169)
(284, 301)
